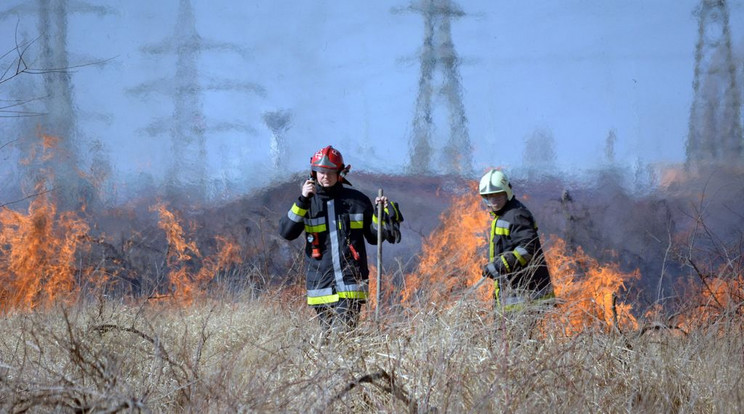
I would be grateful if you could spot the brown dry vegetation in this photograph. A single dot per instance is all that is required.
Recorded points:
(249, 355)
(123, 336)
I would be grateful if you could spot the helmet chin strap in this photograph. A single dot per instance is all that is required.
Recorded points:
(342, 174)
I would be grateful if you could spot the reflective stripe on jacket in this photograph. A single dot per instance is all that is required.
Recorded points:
(515, 249)
(341, 219)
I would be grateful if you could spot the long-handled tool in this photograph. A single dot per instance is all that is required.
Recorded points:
(380, 208)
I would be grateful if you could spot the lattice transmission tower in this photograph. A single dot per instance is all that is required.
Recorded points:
(715, 134)
(58, 116)
(188, 126)
(278, 122)
(439, 58)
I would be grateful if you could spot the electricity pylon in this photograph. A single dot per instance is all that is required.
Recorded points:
(278, 122)
(58, 116)
(438, 57)
(715, 131)
(188, 126)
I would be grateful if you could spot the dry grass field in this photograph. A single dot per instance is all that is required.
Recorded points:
(264, 355)
(148, 309)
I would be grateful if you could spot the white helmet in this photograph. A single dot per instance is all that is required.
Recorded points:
(495, 181)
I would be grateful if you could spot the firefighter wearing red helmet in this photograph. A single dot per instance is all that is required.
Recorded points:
(336, 221)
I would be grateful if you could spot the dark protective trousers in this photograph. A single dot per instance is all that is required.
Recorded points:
(341, 316)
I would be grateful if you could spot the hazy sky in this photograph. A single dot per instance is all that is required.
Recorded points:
(348, 73)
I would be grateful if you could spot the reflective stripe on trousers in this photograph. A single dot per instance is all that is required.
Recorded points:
(509, 300)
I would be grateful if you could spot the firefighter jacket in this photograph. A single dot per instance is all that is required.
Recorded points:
(336, 222)
(515, 252)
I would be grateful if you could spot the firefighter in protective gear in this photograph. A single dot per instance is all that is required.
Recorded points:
(336, 220)
(515, 259)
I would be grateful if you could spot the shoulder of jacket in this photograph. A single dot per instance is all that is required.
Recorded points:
(516, 211)
(354, 194)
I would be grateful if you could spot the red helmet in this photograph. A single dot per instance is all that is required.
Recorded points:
(327, 160)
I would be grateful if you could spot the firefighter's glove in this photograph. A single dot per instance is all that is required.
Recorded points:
(393, 218)
(491, 271)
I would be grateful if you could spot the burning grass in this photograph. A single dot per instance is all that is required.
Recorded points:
(204, 325)
(37, 254)
(440, 348)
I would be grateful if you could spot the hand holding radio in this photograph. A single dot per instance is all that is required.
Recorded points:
(308, 188)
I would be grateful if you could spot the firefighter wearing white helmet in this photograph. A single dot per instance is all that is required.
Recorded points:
(515, 259)
(492, 184)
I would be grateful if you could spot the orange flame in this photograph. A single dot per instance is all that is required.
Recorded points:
(44, 152)
(179, 256)
(37, 253)
(386, 293)
(187, 285)
(588, 290)
(708, 302)
(228, 254)
(452, 256)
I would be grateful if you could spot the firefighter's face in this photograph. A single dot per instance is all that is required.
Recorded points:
(496, 201)
(327, 179)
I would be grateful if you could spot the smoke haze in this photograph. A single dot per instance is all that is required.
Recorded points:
(182, 92)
